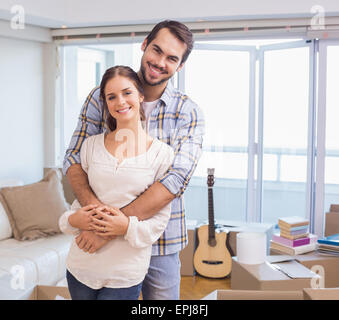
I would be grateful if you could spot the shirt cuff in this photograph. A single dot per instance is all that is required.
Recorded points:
(64, 224)
(173, 182)
(132, 229)
(70, 160)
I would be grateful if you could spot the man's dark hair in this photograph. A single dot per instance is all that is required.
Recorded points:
(179, 30)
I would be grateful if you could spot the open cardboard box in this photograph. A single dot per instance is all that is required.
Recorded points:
(305, 294)
(49, 293)
(254, 295)
(264, 277)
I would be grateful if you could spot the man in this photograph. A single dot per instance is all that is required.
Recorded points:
(171, 117)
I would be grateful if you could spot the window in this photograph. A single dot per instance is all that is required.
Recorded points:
(257, 127)
(259, 101)
(84, 67)
(284, 108)
(217, 78)
(332, 116)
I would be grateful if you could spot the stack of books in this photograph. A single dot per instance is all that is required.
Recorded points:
(294, 237)
(329, 245)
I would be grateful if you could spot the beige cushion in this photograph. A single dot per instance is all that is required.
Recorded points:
(34, 209)
(5, 226)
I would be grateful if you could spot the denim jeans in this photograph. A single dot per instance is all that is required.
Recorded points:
(80, 291)
(162, 281)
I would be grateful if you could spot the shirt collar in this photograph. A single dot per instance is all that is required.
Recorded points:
(168, 93)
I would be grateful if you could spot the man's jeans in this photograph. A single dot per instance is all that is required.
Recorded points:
(162, 281)
(79, 291)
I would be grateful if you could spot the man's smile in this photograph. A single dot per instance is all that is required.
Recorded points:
(155, 71)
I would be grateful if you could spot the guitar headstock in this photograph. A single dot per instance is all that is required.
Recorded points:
(210, 177)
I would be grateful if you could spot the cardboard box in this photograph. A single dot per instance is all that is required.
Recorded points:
(334, 208)
(328, 265)
(331, 223)
(254, 295)
(186, 255)
(264, 277)
(321, 294)
(49, 293)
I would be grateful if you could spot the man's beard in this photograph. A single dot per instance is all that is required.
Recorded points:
(143, 73)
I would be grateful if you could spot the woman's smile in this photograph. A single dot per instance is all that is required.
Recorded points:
(124, 110)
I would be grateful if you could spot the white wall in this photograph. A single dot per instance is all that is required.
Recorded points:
(21, 110)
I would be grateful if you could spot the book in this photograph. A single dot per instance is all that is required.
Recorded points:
(332, 240)
(295, 229)
(294, 232)
(293, 237)
(328, 253)
(290, 242)
(293, 251)
(328, 247)
(291, 222)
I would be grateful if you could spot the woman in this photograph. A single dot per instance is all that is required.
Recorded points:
(120, 164)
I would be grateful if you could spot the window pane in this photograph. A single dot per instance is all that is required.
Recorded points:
(218, 81)
(293, 168)
(84, 67)
(286, 104)
(332, 137)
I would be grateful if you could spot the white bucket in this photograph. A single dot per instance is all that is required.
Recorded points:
(251, 247)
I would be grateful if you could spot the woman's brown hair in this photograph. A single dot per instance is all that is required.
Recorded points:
(111, 73)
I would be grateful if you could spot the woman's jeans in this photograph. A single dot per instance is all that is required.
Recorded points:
(79, 291)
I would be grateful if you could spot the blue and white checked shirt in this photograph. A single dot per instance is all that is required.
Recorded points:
(177, 121)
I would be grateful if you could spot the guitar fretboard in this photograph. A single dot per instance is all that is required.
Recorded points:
(211, 226)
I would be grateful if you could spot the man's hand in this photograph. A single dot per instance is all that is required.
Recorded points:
(82, 218)
(78, 180)
(89, 242)
(109, 221)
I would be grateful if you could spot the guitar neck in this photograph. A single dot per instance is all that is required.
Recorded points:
(211, 226)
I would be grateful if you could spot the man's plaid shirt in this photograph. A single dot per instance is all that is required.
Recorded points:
(177, 121)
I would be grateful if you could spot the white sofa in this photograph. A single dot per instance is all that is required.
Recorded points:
(25, 264)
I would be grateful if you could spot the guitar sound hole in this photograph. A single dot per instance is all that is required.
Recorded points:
(212, 261)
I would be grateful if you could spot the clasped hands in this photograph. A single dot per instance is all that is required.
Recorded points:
(100, 224)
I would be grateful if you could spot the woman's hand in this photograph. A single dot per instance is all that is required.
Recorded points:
(109, 222)
(82, 218)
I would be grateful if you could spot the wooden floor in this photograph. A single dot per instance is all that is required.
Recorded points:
(197, 287)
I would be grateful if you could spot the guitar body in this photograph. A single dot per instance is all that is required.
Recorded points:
(212, 261)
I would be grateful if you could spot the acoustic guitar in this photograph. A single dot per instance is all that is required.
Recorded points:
(211, 257)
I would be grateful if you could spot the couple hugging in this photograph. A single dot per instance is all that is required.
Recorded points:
(132, 154)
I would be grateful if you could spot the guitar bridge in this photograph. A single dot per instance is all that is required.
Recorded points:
(212, 261)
